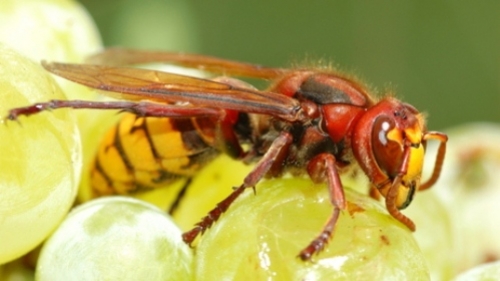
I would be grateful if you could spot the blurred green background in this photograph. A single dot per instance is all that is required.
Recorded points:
(441, 56)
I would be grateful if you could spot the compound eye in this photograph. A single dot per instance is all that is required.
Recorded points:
(387, 145)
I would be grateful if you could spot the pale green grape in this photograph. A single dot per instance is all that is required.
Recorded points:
(435, 233)
(40, 159)
(214, 183)
(485, 272)
(259, 238)
(457, 222)
(469, 189)
(52, 30)
(115, 238)
(58, 30)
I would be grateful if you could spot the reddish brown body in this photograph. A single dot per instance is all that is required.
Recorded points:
(307, 121)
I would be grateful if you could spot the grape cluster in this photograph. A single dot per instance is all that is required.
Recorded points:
(257, 239)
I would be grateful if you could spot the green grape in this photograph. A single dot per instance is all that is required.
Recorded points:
(469, 189)
(434, 234)
(59, 30)
(52, 30)
(210, 186)
(40, 159)
(457, 219)
(259, 238)
(115, 238)
(485, 272)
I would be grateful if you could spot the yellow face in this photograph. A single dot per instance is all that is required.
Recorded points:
(391, 158)
(411, 181)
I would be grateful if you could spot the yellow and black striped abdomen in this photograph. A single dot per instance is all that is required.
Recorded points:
(141, 153)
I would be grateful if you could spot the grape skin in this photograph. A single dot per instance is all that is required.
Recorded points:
(115, 238)
(36, 194)
(260, 236)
